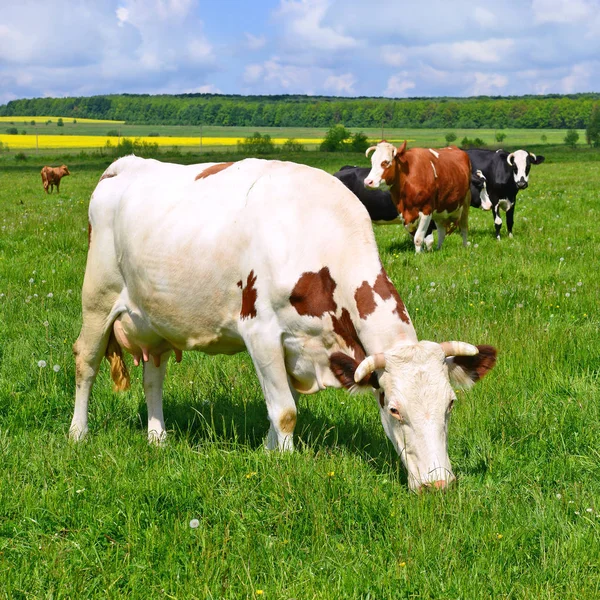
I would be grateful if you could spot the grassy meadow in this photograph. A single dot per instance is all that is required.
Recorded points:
(110, 517)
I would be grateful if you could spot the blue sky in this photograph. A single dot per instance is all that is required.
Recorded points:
(391, 48)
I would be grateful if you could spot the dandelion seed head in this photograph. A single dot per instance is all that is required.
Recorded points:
(50, 295)
(558, 496)
(194, 523)
(41, 364)
(56, 368)
(590, 510)
(46, 323)
(31, 280)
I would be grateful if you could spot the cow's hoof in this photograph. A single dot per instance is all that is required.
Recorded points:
(77, 433)
(510, 235)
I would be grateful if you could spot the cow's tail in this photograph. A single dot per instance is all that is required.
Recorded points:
(118, 368)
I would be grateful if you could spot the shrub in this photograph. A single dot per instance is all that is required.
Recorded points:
(60, 123)
(292, 145)
(12, 131)
(21, 156)
(256, 144)
(450, 137)
(154, 134)
(592, 131)
(338, 138)
(468, 143)
(112, 133)
(334, 139)
(544, 138)
(571, 138)
(32, 122)
(359, 142)
(500, 136)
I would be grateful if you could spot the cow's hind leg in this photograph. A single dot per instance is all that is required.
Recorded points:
(154, 377)
(463, 223)
(424, 222)
(89, 350)
(266, 351)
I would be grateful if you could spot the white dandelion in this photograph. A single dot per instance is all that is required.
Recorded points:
(56, 368)
(41, 364)
(194, 523)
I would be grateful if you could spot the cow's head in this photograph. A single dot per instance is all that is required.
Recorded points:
(386, 158)
(481, 198)
(521, 162)
(65, 170)
(416, 398)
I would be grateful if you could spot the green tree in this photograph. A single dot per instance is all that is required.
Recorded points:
(60, 123)
(544, 138)
(359, 142)
(335, 138)
(292, 145)
(571, 138)
(500, 136)
(592, 131)
(450, 137)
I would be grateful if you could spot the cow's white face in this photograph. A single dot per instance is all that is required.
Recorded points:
(381, 161)
(417, 403)
(416, 398)
(521, 162)
(486, 203)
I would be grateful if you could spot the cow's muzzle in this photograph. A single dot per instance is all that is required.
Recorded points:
(522, 184)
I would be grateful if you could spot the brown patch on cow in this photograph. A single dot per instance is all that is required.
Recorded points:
(249, 295)
(344, 327)
(344, 366)
(287, 421)
(312, 295)
(385, 288)
(365, 301)
(89, 234)
(479, 365)
(213, 170)
(107, 176)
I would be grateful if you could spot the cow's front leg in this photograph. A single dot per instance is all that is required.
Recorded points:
(153, 389)
(497, 220)
(424, 221)
(510, 219)
(266, 351)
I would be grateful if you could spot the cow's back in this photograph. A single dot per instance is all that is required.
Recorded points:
(186, 248)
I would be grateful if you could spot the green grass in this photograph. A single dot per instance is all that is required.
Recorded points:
(110, 517)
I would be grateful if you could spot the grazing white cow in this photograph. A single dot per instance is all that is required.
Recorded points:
(271, 257)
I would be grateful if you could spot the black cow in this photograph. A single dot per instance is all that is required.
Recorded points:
(506, 174)
(379, 203)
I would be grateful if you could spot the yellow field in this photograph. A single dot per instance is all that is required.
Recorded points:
(22, 142)
(42, 119)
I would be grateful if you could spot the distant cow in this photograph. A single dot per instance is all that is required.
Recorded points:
(506, 174)
(51, 177)
(241, 257)
(379, 202)
(425, 185)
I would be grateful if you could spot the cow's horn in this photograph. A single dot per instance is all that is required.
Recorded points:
(509, 158)
(369, 150)
(480, 174)
(367, 366)
(534, 156)
(459, 349)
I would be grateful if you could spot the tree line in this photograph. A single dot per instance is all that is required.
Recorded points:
(529, 112)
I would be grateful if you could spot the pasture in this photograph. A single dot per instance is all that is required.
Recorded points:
(110, 517)
(46, 135)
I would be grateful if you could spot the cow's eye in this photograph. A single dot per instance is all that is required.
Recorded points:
(396, 413)
(451, 404)
(386, 163)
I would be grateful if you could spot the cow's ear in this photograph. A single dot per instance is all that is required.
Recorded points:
(400, 152)
(465, 371)
(537, 159)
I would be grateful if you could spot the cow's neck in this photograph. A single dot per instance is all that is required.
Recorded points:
(397, 184)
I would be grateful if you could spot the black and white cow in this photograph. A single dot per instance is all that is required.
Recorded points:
(379, 202)
(506, 173)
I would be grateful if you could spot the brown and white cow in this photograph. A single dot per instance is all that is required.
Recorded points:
(425, 184)
(51, 177)
(271, 257)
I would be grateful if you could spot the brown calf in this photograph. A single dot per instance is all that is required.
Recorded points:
(51, 177)
(425, 184)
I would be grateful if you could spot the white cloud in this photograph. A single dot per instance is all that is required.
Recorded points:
(341, 84)
(484, 17)
(487, 84)
(304, 29)
(563, 11)
(398, 85)
(254, 42)
(577, 79)
(122, 15)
